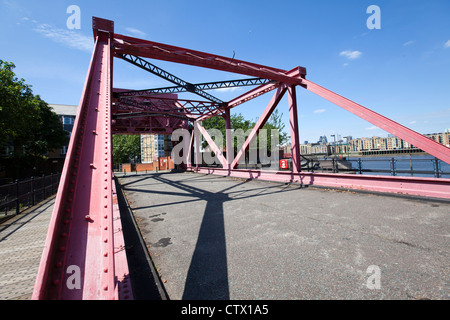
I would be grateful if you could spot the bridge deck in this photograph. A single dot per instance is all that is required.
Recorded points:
(222, 238)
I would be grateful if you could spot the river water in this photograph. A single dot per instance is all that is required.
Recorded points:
(402, 163)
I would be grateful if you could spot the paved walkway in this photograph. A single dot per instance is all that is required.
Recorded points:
(215, 237)
(21, 244)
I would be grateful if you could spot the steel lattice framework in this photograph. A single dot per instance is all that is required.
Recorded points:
(85, 230)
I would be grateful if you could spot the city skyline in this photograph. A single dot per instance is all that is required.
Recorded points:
(364, 145)
(341, 138)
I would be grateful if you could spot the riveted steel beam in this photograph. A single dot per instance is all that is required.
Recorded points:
(80, 260)
(200, 86)
(137, 61)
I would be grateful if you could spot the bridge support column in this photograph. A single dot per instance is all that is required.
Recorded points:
(190, 151)
(198, 160)
(293, 123)
(229, 143)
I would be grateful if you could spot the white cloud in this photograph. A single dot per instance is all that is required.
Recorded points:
(320, 110)
(447, 44)
(408, 43)
(351, 54)
(413, 122)
(136, 32)
(372, 128)
(69, 38)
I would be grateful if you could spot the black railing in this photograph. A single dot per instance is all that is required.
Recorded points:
(17, 196)
(387, 166)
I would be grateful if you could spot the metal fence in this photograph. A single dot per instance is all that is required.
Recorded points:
(389, 166)
(20, 195)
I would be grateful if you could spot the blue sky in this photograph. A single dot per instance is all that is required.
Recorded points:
(401, 71)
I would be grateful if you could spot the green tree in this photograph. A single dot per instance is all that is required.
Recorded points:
(276, 122)
(126, 148)
(28, 126)
(48, 133)
(16, 108)
(238, 121)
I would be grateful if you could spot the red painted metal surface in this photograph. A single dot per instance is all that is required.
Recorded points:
(81, 234)
(260, 123)
(426, 187)
(154, 50)
(420, 141)
(212, 144)
(123, 289)
(157, 115)
(293, 124)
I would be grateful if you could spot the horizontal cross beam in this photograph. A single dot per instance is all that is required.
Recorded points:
(137, 61)
(154, 50)
(130, 115)
(199, 86)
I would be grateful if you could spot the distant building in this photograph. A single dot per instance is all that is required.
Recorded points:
(390, 143)
(67, 114)
(442, 137)
(286, 149)
(373, 145)
(315, 149)
(323, 140)
(154, 146)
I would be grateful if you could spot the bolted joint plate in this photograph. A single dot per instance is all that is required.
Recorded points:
(99, 24)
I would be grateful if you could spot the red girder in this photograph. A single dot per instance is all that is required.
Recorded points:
(434, 148)
(260, 123)
(81, 257)
(149, 49)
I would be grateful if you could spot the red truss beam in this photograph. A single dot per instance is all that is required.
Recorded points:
(434, 148)
(188, 108)
(83, 256)
(293, 125)
(212, 144)
(160, 115)
(129, 45)
(154, 50)
(259, 124)
(425, 187)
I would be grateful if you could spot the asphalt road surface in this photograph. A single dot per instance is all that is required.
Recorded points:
(214, 237)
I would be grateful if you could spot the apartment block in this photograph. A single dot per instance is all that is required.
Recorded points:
(373, 144)
(154, 146)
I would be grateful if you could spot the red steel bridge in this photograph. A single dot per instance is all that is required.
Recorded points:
(85, 237)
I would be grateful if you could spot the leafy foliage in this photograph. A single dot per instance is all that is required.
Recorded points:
(238, 121)
(28, 126)
(126, 148)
